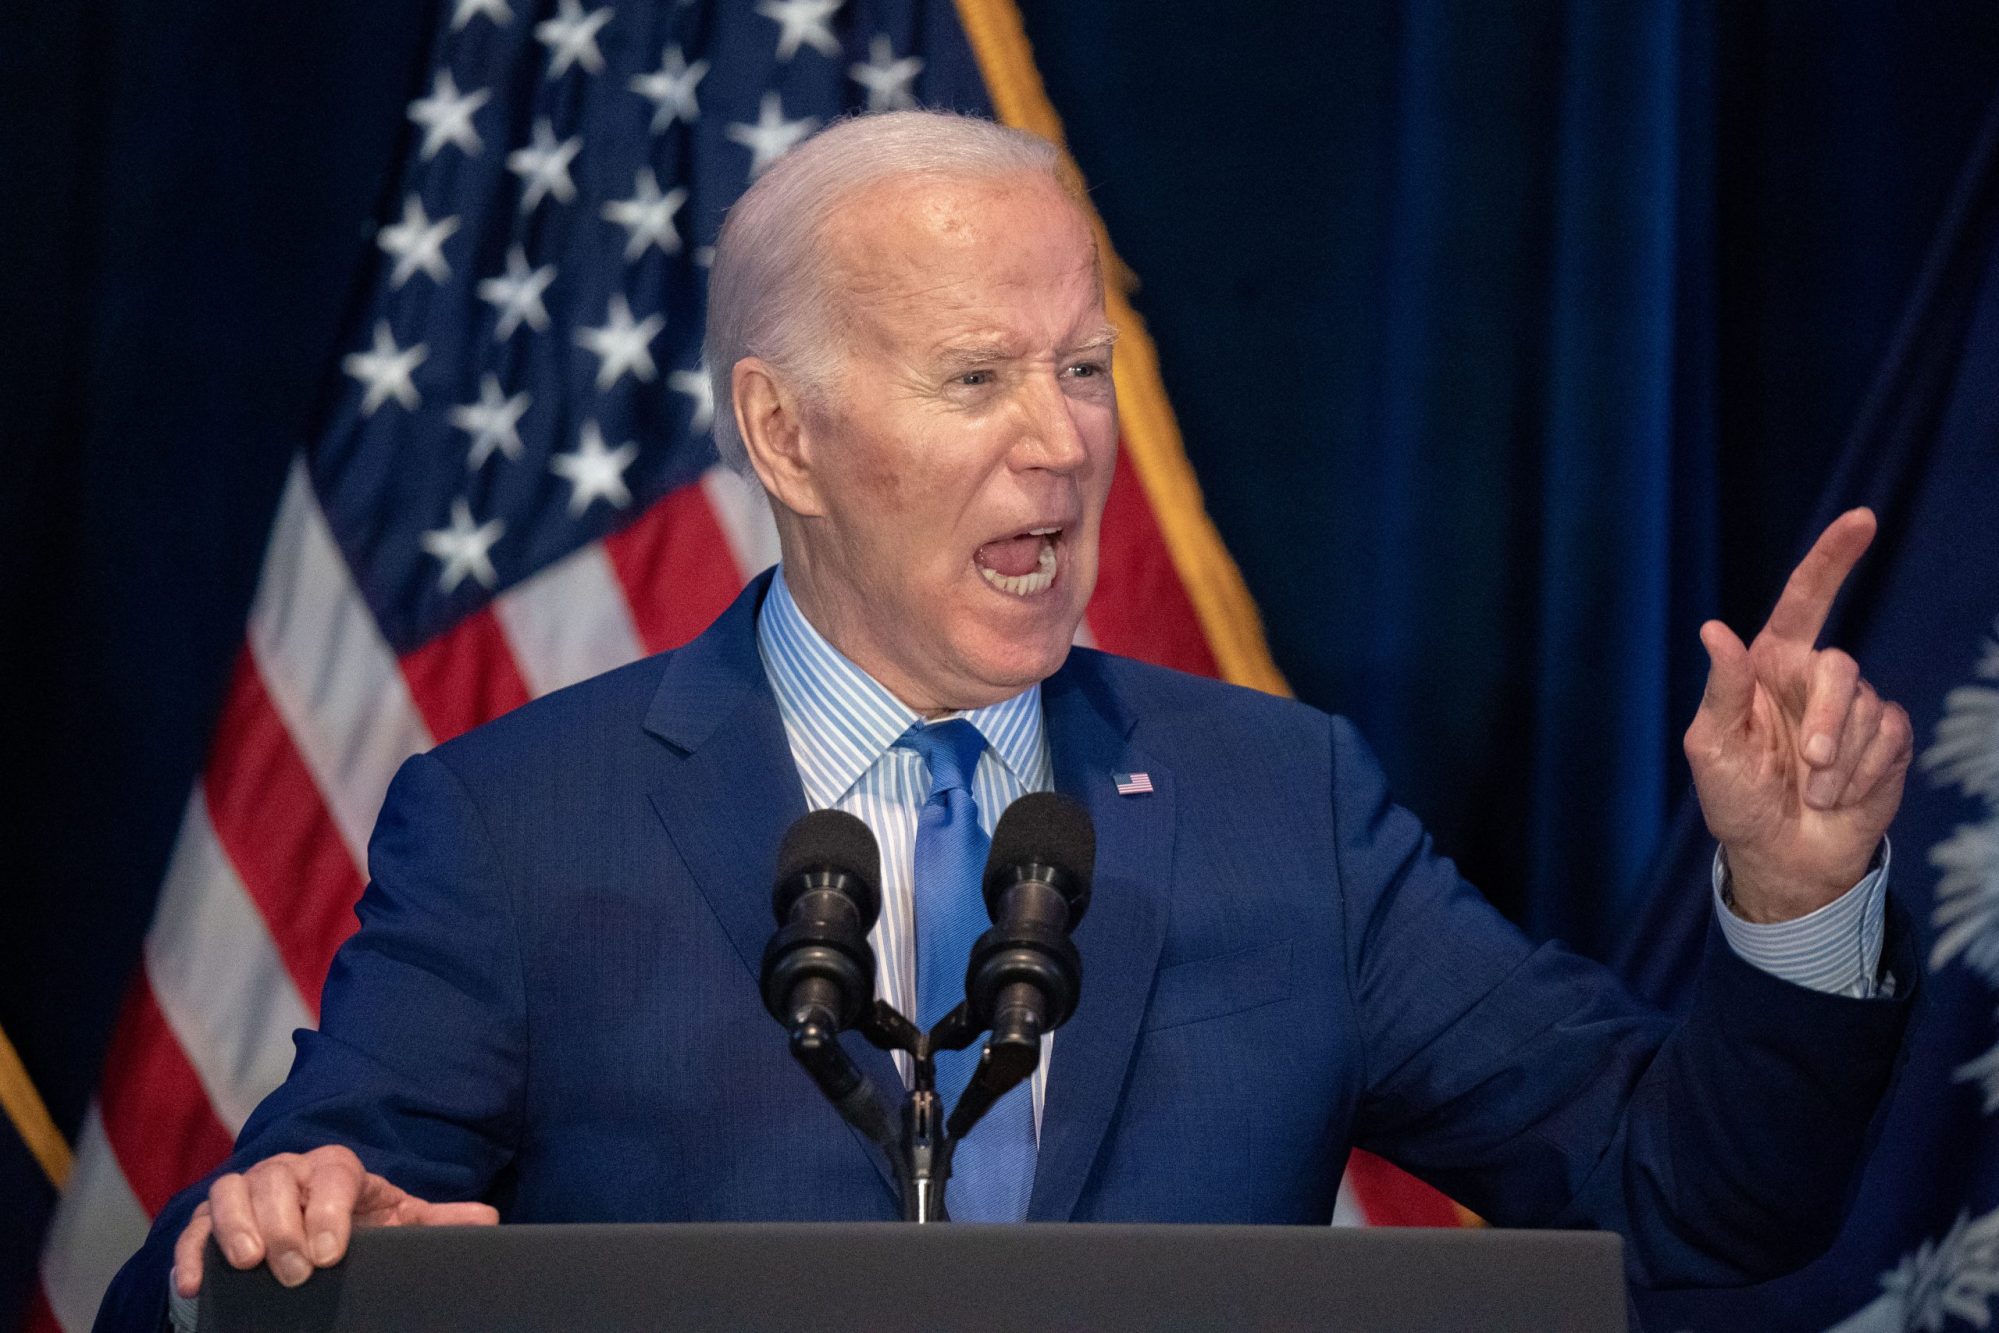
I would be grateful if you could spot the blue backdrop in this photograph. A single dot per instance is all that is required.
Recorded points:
(1510, 338)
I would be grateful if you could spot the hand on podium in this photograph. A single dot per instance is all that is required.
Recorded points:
(296, 1211)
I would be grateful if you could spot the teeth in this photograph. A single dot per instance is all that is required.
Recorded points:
(1042, 532)
(1026, 585)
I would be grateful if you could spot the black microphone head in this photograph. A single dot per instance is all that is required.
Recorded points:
(829, 840)
(1044, 828)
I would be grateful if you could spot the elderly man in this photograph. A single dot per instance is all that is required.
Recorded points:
(550, 1012)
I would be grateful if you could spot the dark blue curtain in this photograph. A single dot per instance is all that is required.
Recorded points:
(1510, 338)
(1925, 456)
(1513, 339)
(1458, 331)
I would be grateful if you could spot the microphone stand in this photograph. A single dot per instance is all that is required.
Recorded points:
(921, 1152)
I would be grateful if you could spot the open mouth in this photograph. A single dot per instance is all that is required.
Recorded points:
(1021, 565)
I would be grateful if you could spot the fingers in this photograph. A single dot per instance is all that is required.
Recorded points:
(299, 1212)
(1887, 754)
(188, 1251)
(1807, 599)
(332, 1187)
(279, 1210)
(457, 1215)
(1827, 781)
(1731, 680)
(1829, 699)
(235, 1222)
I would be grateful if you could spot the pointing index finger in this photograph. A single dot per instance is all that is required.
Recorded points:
(1808, 595)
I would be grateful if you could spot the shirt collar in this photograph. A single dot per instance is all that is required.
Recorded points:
(840, 720)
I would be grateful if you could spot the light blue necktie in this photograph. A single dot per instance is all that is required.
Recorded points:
(993, 1169)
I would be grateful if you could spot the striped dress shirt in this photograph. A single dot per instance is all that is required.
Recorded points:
(842, 726)
(1836, 949)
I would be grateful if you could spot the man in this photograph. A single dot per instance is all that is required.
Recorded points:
(550, 1012)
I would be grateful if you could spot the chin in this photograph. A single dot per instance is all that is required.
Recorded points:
(1013, 664)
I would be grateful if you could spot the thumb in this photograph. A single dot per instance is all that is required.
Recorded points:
(1731, 681)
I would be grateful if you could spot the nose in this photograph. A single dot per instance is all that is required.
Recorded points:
(1050, 438)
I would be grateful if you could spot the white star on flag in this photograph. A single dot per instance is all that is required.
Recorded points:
(516, 294)
(887, 79)
(772, 135)
(671, 89)
(467, 10)
(647, 215)
(446, 117)
(493, 422)
(802, 22)
(595, 472)
(699, 386)
(464, 547)
(543, 166)
(571, 38)
(417, 244)
(621, 343)
(385, 369)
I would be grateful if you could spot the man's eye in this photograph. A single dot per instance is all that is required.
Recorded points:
(1084, 370)
(976, 378)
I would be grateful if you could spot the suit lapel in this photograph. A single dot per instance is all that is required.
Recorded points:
(728, 789)
(1120, 937)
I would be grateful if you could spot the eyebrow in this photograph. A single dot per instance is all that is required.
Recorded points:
(985, 353)
(974, 354)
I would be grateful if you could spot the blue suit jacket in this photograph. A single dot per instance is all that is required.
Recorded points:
(552, 1003)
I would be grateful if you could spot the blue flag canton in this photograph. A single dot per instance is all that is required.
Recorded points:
(525, 374)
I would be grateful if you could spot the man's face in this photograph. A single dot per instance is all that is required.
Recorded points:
(962, 453)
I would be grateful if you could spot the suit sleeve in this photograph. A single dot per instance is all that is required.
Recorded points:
(419, 1061)
(1529, 1085)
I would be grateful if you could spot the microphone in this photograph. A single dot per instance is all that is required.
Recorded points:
(818, 970)
(1025, 975)
(818, 974)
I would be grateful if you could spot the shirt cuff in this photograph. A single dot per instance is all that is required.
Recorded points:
(1836, 949)
(180, 1309)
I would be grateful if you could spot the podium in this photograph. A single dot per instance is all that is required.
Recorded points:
(894, 1276)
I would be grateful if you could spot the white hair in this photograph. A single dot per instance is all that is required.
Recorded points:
(768, 289)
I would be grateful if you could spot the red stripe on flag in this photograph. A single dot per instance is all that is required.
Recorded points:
(1140, 608)
(156, 1115)
(676, 568)
(464, 676)
(1391, 1197)
(275, 829)
(40, 1319)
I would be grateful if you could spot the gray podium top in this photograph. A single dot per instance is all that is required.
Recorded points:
(895, 1276)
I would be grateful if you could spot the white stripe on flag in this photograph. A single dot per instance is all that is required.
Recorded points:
(97, 1225)
(331, 675)
(1347, 1211)
(217, 975)
(744, 515)
(568, 622)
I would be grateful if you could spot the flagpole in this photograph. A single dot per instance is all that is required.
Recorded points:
(1150, 433)
(31, 1118)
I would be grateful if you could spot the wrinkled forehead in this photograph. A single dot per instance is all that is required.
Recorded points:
(923, 242)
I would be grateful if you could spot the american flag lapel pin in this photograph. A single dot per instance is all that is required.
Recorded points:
(1132, 784)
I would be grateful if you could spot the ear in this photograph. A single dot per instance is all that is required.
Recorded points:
(770, 417)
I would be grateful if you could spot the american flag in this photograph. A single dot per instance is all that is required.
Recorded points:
(1132, 784)
(514, 488)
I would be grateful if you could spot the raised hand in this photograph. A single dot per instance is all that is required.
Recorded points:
(1799, 764)
(296, 1211)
